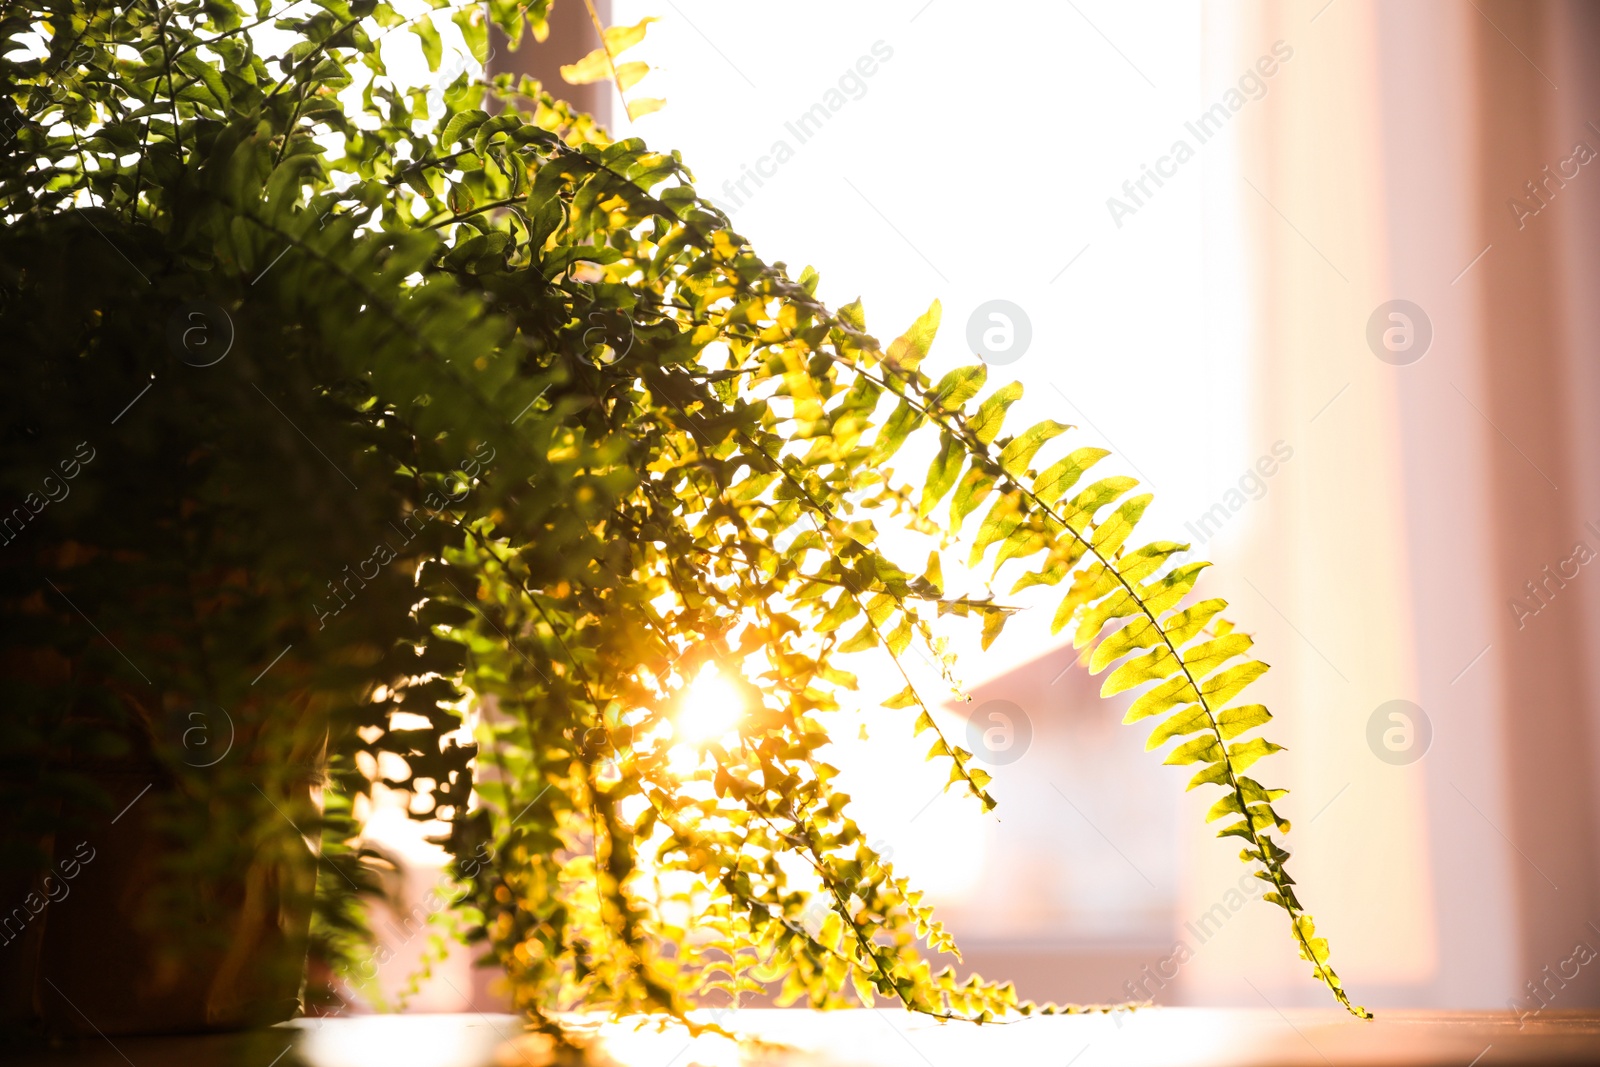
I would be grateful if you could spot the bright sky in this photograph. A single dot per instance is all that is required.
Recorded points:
(973, 164)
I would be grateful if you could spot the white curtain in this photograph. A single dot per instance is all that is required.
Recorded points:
(1432, 478)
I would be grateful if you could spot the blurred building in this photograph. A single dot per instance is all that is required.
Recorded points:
(1078, 888)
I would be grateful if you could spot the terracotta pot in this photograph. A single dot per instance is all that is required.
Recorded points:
(90, 959)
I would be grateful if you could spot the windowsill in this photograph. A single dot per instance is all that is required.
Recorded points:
(1177, 1037)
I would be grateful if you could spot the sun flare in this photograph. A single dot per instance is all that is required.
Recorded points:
(709, 708)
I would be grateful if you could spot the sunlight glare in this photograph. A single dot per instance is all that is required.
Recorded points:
(420, 1040)
(709, 709)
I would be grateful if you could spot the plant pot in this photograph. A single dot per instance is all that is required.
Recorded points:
(92, 960)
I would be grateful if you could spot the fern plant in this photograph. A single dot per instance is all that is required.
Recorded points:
(614, 450)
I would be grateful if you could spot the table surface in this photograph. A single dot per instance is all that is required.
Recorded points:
(1172, 1037)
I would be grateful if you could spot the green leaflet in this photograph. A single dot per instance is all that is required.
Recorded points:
(1057, 565)
(1314, 950)
(753, 487)
(972, 491)
(1207, 656)
(1003, 518)
(880, 608)
(1165, 592)
(991, 414)
(1109, 535)
(1236, 721)
(1153, 666)
(1239, 758)
(1095, 618)
(993, 622)
(942, 474)
(1169, 694)
(806, 539)
(899, 638)
(958, 387)
(933, 574)
(1228, 805)
(485, 132)
(843, 610)
(904, 698)
(1062, 475)
(1140, 563)
(1201, 748)
(1261, 817)
(1190, 621)
(909, 349)
(1245, 753)
(1015, 457)
(901, 422)
(432, 45)
(621, 38)
(861, 640)
(1221, 688)
(1020, 544)
(462, 124)
(1187, 721)
(1255, 791)
(1140, 633)
(1079, 514)
(196, 67)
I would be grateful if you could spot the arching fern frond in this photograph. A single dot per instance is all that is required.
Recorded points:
(1128, 606)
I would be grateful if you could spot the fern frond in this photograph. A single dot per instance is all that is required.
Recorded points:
(1128, 607)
